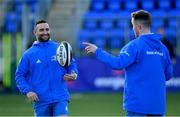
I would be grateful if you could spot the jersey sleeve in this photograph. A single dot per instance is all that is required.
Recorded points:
(21, 75)
(126, 57)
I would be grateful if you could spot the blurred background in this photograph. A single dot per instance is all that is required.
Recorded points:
(98, 89)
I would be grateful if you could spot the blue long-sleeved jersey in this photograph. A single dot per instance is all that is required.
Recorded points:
(147, 66)
(39, 71)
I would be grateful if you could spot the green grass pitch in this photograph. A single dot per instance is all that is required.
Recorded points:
(83, 104)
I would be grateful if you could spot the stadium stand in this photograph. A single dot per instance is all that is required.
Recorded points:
(114, 15)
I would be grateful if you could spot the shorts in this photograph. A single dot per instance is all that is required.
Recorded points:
(52, 109)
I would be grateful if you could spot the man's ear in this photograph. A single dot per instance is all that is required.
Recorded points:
(34, 31)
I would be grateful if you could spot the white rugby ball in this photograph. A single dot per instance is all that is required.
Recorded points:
(64, 54)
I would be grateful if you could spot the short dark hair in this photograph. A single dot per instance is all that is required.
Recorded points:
(40, 21)
(143, 16)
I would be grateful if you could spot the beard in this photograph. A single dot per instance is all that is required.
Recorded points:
(41, 39)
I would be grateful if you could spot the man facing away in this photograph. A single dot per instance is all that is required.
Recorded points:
(147, 66)
(41, 78)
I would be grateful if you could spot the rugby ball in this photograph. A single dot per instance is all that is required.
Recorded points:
(64, 54)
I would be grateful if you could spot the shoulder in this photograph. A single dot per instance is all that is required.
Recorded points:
(132, 43)
(54, 43)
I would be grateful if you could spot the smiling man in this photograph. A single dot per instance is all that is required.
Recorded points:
(41, 78)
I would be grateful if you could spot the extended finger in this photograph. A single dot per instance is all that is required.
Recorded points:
(87, 47)
(86, 43)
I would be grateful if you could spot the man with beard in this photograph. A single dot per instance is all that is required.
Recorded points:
(147, 66)
(41, 78)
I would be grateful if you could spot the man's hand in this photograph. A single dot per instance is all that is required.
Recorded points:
(69, 77)
(32, 96)
(90, 48)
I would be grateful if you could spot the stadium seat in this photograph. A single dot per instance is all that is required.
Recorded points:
(100, 33)
(84, 36)
(116, 33)
(157, 22)
(11, 22)
(90, 24)
(115, 42)
(99, 41)
(158, 14)
(108, 15)
(131, 5)
(174, 13)
(122, 23)
(19, 9)
(177, 4)
(106, 24)
(92, 16)
(114, 5)
(97, 5)
(147, 5)
(164, 4)
(31, 2)
(171, 33)
(17, 2)
(173, 22)
(125, 14)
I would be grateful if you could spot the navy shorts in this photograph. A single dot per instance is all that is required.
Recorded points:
(52, 109)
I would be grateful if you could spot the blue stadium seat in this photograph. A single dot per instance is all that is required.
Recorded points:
(19, 9)
(100, 33)
(164, 4)
(106, 24)
(11, 22)
(84, 36)
(30, 2)
(116, 33)
(92, 16)
(173, 22)
(99, 41)
(159, 14)
(177, 4)
(126, 14)
(114, 5)
(116, 38)
(34, 7)
(17, 2)
(116, 42)
(174, 13)
(123, 23)
(157, 22)
(147, 4)
(171, 33)
(108, 15)
(97, 5)
(131, 5)
(90, 24)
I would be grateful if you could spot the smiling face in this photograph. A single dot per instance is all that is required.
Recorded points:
(42, 32)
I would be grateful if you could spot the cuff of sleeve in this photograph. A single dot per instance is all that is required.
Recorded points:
(26, 91)
(97, 51)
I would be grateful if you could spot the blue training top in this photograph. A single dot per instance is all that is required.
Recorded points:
(39, 71)
(147, 66)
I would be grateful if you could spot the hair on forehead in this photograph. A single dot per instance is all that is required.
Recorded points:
(40, 22)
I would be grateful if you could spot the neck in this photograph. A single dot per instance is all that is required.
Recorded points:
(145, 31)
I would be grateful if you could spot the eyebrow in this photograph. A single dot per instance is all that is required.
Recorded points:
(41, 29)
